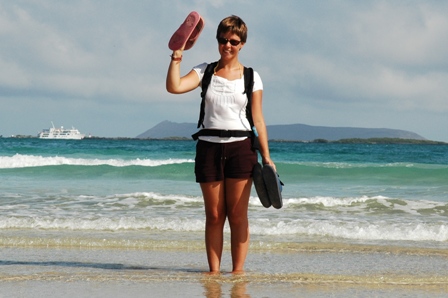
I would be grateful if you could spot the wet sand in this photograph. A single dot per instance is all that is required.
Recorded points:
(70, 272)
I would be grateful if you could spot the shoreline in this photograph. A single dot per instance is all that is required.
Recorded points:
(193, 241)
(313, 262)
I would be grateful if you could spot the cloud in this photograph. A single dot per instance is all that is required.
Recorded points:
(386, 53)
(63, 58)
(403, 35)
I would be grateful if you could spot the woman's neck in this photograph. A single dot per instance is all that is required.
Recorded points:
(229, 69)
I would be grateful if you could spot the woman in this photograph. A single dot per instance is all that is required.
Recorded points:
(224, 165)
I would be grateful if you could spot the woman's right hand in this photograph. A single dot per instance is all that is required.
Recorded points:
(178, 54)
(174, 82)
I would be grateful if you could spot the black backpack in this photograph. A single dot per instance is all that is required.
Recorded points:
(248, 88)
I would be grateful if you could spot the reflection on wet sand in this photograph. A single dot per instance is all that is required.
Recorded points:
(213, 288)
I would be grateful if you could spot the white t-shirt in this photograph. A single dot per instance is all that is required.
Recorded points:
(225, 104)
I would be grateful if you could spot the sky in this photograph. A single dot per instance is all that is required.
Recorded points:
(101, 65)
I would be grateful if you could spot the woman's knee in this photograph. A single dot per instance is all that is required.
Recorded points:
(215, 218)
(237, 219)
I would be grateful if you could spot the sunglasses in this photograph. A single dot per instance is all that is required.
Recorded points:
(233, 42)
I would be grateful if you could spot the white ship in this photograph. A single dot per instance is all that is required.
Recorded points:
(61, 133)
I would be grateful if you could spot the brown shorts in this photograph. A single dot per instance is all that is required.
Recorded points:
(216, 161)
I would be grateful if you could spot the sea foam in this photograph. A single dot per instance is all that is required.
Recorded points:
(353, 230)
(24, 161)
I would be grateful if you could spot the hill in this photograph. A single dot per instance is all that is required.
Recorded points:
(290, 132)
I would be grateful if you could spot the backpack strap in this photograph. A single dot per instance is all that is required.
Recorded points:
(206, 78)
(248, 88)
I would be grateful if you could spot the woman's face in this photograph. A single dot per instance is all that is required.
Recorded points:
(229, 45)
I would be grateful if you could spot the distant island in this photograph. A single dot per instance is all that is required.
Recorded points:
(298, 133)
(167, 130)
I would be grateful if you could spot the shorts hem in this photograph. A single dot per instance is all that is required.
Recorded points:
(213, 179)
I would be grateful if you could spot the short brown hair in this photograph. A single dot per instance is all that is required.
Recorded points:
(233, 24)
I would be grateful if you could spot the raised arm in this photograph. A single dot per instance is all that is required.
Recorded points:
(174, 82)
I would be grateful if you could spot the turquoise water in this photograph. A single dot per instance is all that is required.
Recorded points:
(84, 190)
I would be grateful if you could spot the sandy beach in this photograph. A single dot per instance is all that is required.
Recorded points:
(305, 272)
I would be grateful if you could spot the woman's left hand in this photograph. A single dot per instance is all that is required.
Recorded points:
(268, 161)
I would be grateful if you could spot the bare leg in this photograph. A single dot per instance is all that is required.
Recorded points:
(215, 217)
(237, 200)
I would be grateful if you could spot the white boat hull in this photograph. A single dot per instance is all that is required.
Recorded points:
(61, 133)
(64, 137)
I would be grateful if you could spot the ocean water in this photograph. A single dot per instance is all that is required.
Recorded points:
(127, 194)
